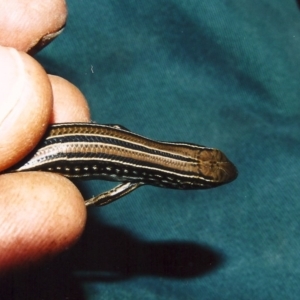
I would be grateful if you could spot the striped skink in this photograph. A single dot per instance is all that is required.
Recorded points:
(111, 152)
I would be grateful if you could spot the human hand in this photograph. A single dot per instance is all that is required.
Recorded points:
(41, 214)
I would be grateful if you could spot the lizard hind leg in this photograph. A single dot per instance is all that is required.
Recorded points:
(113, 194)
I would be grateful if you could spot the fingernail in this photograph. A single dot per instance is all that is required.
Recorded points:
(11, 81)
(44, 41)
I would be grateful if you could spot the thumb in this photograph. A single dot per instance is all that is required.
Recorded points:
(25, 105)
(41, 214)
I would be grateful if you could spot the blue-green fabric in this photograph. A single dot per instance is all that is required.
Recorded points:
(223, 74)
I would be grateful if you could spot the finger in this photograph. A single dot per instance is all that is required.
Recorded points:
(44, 211)
(28, 25)
(25, 105)
(41, 214)
(69, 104)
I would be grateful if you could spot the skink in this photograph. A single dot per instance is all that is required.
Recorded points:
(112, 152)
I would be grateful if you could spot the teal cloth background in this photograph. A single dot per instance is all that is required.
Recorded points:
(219, 73)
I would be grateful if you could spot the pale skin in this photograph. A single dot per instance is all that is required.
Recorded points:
(41, 214)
